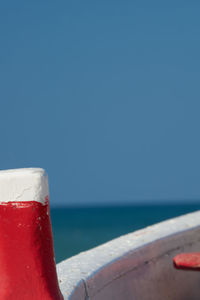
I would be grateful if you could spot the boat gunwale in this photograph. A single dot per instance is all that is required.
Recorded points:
(78, 274)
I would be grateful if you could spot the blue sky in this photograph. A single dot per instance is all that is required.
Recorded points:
(105, 96)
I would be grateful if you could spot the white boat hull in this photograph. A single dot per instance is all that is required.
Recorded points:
(137, 266)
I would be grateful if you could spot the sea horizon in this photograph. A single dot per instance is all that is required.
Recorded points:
(80, 228)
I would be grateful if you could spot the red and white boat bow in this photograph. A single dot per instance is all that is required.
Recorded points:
(27, 265)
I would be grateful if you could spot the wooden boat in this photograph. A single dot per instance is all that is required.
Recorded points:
(137, 266)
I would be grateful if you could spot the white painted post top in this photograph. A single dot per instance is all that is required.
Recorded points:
(20, 185)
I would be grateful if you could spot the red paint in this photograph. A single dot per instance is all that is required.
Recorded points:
(27, 266)
(187, 261)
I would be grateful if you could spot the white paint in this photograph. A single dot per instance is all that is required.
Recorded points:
(29, 184)
(136, 266)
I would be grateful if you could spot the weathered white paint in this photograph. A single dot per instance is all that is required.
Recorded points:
(29, 184)
(137, 266)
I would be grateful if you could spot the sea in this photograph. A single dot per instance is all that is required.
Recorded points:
(77, 229)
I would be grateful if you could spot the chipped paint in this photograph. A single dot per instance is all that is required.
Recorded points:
(27, 264)
(21, 185)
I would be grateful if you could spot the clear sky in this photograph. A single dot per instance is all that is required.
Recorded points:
(105, 95)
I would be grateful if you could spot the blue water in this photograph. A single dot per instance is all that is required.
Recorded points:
(79, 229)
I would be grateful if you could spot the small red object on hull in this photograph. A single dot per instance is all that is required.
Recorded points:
(187, 261)
(27, 265)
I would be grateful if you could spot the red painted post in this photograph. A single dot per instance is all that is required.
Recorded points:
(27, 265)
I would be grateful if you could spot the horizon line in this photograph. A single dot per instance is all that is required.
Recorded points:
(126, 204)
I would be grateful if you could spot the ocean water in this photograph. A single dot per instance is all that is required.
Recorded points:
(79, 229)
